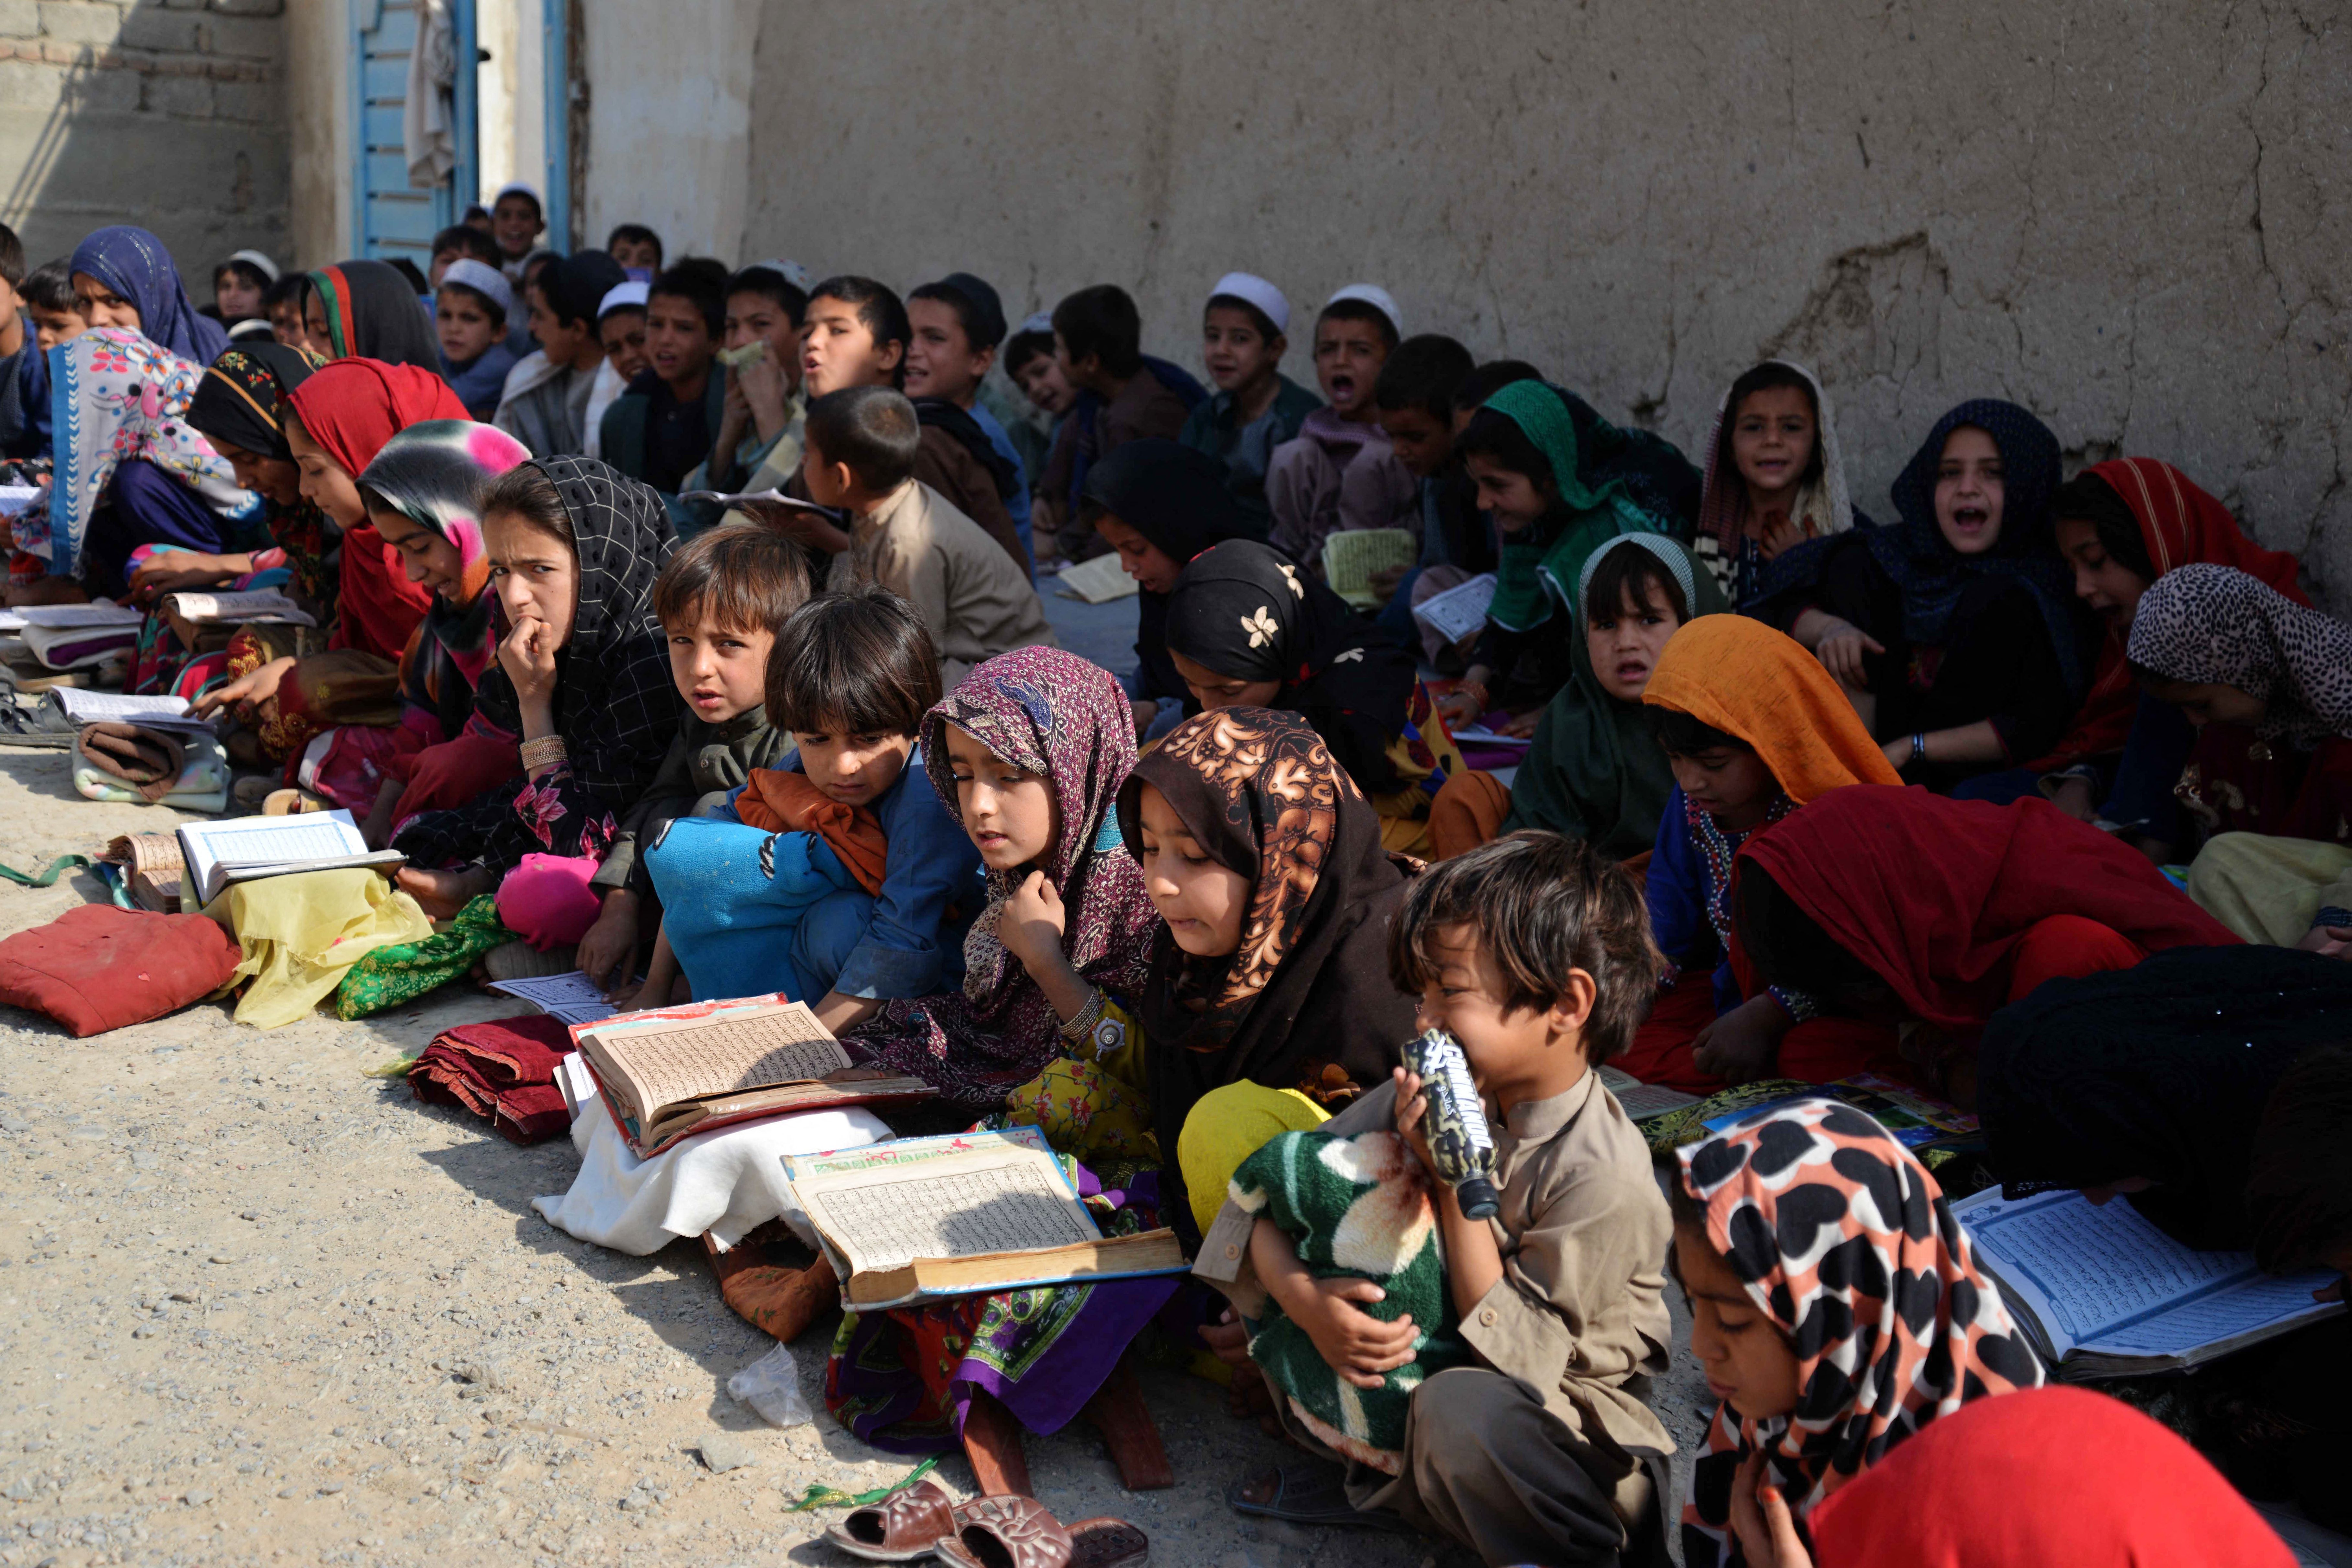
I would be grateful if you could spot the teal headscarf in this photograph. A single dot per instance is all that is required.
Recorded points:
(1595, 771)
(1611, 481)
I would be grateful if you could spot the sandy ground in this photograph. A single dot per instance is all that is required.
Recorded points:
(264, 1308)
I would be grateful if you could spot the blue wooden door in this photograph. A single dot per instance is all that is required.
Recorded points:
(393, 218)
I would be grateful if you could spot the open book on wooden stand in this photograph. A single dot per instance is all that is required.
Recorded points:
(920, 1219)
(670, 1072)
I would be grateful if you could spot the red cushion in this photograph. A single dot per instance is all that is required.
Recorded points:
(98, 967)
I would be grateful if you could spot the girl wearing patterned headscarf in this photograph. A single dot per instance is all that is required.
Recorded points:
(582, 678)
(1836, 1308)
(1263, 1018)
(1029, 752)
(1957, 628)
(2268, 683)
(1246, 628)
(126, 279)
(365, 310)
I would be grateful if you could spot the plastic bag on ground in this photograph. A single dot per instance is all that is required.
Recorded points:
(771, 1386)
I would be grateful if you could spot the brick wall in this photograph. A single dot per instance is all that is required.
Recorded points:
(167, 114)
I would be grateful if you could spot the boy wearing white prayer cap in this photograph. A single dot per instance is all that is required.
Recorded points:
(1255, 409)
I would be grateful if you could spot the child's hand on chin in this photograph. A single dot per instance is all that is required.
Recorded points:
(1031, 924)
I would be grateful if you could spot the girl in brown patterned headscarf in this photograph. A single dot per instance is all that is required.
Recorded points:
(1301, 1000)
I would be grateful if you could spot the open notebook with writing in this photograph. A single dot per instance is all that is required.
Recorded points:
(2103, 1293)
(919, 1218)
(670, 1072)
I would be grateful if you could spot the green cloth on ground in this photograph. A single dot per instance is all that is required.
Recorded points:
(1355, 1208)
(390, 975)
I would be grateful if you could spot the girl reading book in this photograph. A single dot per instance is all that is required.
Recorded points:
(1824, 1350)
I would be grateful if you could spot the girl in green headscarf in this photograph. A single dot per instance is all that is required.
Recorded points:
(1595, 771)
(1559, 481)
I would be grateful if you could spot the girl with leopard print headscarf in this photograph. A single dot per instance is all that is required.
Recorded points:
(1835, 1307)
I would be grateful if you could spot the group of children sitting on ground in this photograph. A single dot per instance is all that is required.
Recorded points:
(1181, 919)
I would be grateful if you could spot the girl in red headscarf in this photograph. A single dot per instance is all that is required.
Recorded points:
(2121, 525)
(336, 421)
(1903, 907)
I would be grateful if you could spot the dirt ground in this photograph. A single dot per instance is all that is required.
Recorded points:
(261, 1306)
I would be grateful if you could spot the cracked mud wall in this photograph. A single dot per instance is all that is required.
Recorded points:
(2133, 219)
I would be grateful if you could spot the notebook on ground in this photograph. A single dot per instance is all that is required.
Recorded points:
(1097, 581)
(248, 848)
(571, 998)
(152, 867)
(669, 1072)
(2102, 1292)
(923, 1217)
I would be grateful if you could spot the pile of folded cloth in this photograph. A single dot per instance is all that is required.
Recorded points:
(504, 1070)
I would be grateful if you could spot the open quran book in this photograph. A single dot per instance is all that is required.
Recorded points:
(1352, 555)
(2102, 1292)
(923, 1217)
(258, 606)
(669, 1072)
(1097, 580)
(248, 848)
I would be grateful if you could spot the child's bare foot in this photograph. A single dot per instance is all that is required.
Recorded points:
(441, 894)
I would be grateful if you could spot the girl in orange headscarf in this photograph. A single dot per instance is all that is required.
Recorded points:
(1753, 727)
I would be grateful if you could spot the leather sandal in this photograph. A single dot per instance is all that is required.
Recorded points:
(1010, 1531)
(902, 1528)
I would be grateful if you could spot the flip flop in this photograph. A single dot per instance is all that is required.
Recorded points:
(902, 1528)
(1308, 1494)
(1007, 1530)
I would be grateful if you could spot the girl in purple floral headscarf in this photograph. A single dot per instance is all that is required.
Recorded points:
(1028, 753)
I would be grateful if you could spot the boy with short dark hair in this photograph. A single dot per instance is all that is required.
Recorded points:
(1124, 394)
(469, 316)
(459, 240)
(858, 335)
(1340, 472)
(1535, 955)
(545, 403)
(637, 248)
(517, 221)
(24, 365)
(859, 449)
(956, 325)
(1255, 407)
(1414, 397)
(661, 428)
(720, 600)
(283, 303)
(759, 442)
(238, 285)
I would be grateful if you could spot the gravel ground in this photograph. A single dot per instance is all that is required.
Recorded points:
(264, 1308)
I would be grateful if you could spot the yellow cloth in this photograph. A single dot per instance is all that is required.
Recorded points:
(1092, 1103)
(1745, 680)
(1229, 1124)
(302, 933)
(2269, 889)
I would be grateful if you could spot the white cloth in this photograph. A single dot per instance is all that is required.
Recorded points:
(631, 295)
(484, 280)
(428, 117)
(1268, 299)
(728, 1182)
(260, 262)
(608, 385)
(533, 371)
(1375, 296)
